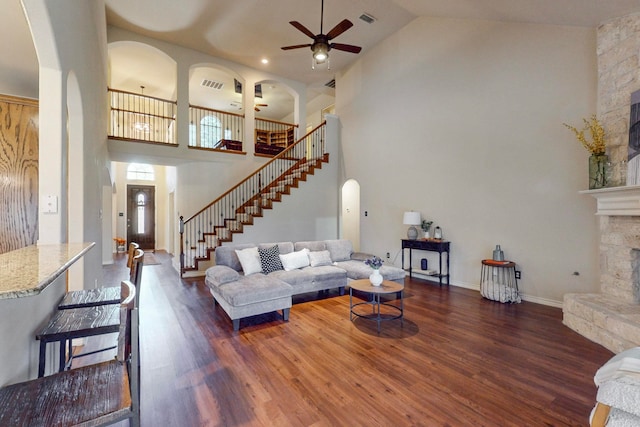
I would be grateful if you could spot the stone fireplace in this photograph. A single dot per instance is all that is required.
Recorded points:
(612, 317)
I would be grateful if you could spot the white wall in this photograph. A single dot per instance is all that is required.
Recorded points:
(462, 121)
(72, 102)
(70, 39)
(314, 110)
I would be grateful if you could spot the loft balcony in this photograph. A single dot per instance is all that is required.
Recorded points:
(137, 118)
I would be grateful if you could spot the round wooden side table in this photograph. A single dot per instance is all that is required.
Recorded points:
(390, 312)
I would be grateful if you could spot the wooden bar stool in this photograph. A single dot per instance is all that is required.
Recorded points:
(103, 295)
(67, 325)
(93, 395)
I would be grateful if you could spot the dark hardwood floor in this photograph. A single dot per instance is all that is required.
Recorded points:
(458, 360)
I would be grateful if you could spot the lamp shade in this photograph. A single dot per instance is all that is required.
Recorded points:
(411, 218)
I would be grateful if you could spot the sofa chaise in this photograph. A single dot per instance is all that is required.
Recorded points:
(250, 279)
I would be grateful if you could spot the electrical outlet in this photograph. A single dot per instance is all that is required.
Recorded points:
(518, 274)
(388, 255)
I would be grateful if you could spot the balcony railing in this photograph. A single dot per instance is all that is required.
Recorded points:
(215, 129)
(141, 118)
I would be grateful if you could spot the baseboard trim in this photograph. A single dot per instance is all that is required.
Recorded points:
(476, 287)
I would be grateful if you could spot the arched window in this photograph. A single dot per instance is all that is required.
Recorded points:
(138, 171)
(210, 131)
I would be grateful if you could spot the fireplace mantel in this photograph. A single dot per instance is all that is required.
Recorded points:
(623, 201)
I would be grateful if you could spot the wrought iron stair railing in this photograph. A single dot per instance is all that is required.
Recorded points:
(217, 222)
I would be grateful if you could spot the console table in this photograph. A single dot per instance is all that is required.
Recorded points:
(431, 245)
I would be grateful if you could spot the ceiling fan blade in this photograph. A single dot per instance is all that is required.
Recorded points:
(297, 46)
(339, 29)
(262, 105)
(346, 47)
(302, 28)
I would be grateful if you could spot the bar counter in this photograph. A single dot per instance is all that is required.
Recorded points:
(39, 273)
(28, 271)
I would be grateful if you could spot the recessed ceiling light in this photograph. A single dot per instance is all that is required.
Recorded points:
(265, 61)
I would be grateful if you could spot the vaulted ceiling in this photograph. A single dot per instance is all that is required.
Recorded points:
(248, 31)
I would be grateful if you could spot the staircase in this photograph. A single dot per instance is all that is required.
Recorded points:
(217, 222)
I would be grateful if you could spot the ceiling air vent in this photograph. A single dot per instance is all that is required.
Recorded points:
(367, 18)
(331, 83)
(211, 84)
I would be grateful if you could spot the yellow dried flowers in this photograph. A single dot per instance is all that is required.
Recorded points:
(597, 144)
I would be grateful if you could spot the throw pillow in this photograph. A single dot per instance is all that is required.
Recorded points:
(340, 250)
(270, 259)
(295, 260)
(249, 260)
(319, 258)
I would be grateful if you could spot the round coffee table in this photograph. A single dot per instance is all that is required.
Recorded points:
(391, 311)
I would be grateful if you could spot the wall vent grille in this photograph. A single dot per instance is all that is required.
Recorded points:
(212, 84)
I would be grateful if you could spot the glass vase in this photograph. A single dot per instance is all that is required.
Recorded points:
(598, 171)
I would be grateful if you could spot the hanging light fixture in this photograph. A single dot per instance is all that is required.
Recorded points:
(322, 42)
(320, 54)
(141, 122)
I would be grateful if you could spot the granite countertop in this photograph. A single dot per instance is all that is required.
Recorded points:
(28, 271)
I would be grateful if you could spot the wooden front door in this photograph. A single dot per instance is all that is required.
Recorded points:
(141, 213)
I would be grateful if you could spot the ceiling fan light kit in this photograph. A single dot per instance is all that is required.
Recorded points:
(321, 42)
(320, 52)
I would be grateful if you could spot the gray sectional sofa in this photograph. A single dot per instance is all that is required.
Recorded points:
(269, 285)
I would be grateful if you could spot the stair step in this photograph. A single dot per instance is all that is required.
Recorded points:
(606, 320)
(244, 218)
(253, 210)
(200, 252)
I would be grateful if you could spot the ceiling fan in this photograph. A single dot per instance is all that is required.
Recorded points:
(322, 42)
(255, 107)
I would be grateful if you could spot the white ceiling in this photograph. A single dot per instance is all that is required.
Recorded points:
(246, 31)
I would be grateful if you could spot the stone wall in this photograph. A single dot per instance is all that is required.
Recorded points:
(612, 317)
(619, 255)
(618, 76)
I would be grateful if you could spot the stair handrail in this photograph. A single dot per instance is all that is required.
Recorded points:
(210, 208)
(279, 156)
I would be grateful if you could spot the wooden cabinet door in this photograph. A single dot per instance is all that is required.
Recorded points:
(18, 173)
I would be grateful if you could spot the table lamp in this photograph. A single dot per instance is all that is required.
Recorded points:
(412, 219)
